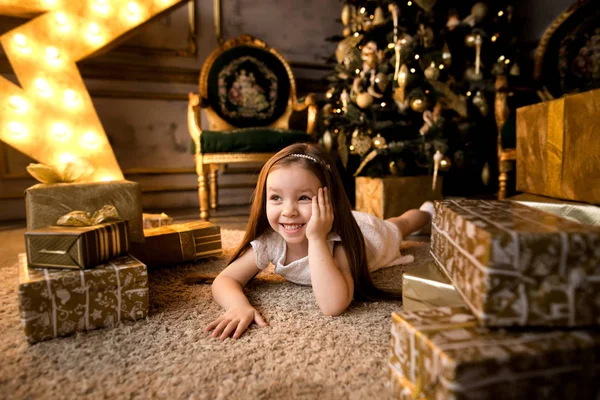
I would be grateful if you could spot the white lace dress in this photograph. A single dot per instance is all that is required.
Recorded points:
(382, 239)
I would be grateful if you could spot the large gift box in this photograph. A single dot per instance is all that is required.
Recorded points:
(445, 354)
(558, 147)
(392, 196)
(425, 286)
(46, 203)
(516, 265)
(55, 303)
(76, 247)
(177, 243)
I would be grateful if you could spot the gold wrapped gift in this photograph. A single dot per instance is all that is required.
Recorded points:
(392, 196)
(177, 243)
(402, 388)
(46, 203)
(558, 147)
(516, 265)
(76, 247)
(156, 220)
(55, 303)
(444, 354)
(425, 286)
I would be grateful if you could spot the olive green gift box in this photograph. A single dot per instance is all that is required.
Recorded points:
(517, 265)
(443, 353)
(55, 302)
(46, 203)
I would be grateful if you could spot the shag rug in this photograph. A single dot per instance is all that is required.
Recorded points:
(301, 355)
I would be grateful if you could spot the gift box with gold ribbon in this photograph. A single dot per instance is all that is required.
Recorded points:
(176, 243)
(442, 353)
(558, 147)
(55, 303)
(47, 202)
(516, 265)
(76, 247)
(425, 286)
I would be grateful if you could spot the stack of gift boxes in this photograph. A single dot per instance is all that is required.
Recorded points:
(93, 273)
(510, 306)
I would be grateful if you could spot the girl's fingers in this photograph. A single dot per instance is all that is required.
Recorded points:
(213, 324)
(220, 328)
(241, 327)
(229, 329)
(315, 207)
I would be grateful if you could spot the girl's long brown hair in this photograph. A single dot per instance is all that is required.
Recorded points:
(344, 223)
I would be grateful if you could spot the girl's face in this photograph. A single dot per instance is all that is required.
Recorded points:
(289, 193)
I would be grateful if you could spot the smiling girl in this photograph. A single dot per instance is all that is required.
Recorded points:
(302, 222)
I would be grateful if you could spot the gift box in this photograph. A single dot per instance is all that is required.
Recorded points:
(516, 265)
(177, 243)
(46, 203)
(557, 148)
(76, 247)
(156, 220)
(55, 303)
(425, 286)
(392, 196)
(402, 388)
(445, 354)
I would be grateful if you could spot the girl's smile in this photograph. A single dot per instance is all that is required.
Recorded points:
(289, 194)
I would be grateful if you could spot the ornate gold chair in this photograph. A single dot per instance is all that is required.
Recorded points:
(248, 94)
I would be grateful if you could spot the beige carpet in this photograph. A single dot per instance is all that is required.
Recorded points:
(302, 354)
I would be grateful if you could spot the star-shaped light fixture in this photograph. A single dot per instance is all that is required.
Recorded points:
(50, 116)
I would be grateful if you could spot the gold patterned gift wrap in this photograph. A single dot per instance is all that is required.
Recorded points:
(445, 354)
(516, 265)
(558, 147)
(46, 203)
(76, 247)
(55, 303)
(156, 220)
(177, 243)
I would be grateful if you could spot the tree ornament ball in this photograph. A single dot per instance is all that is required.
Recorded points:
(364, 100)
(379, 142)
(432, 72)
(418, 104)
(445, 164)
(361, 144)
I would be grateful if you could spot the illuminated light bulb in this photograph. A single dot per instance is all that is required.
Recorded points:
(60, 131)
(61, 19)
(18, 103)
(101, 2)
(356, 34)
(17, 130)
(417, 56)
(89, 140)
(351, 148)
(357, 71)
(494, 38)
(71, 98)
(383, 104)
(391, 45)
(132, 8)
(52, 53)
(501, 58)
(500, 13)
(43, 87)
(507, 61)
(412, 70)
(50, 2)
(409, 3)
(363, 10)
(107, 178)
(94, 29)
(441, 66)
(469, 93)
(20, 40)
(65, 158)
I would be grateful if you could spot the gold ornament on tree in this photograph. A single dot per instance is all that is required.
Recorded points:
(432, 72)
(327, 140)
(378, 18)
(360, 143)
(474, 40)
(364, 100)
(437, 159)
(379, 142)
(418, 103)
(481, 103)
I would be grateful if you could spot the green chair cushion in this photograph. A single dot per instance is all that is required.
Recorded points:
(251, 140)
(248, 87)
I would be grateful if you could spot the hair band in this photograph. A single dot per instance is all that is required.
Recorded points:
(311, 158)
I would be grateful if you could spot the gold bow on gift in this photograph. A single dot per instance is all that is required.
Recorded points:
(82, 218)
(74, 171)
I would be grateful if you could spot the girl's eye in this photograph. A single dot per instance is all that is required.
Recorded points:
(274, 197)
(305, 198)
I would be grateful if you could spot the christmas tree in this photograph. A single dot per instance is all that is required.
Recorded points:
(413, 90)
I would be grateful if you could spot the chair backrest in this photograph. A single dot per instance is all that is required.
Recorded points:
(245, 83)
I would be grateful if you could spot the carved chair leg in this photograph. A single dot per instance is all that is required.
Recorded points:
(503, 178)
(203, 196)
(214, 184)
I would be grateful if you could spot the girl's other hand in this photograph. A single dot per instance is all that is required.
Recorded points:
(235, 321)
(321, 220)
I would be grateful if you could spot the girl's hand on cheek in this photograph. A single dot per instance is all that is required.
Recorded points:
(321, 220)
